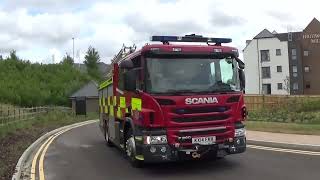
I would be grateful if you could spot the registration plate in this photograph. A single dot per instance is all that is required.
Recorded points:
(204, 140)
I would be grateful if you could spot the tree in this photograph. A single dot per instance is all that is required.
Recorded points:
(67, 59)
(92, 59)
(13, 55)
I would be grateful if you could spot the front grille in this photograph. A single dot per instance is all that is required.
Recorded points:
(201, 118)
(198, 133)
(206, 109)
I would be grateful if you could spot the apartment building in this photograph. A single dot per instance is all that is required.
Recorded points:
(284, 63)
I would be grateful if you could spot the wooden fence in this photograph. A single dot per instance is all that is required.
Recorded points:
(10, 114)
(258, 102)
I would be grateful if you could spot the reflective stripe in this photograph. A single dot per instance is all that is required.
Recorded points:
(114, 100)
(138, 138)
(103, 101)
(122, 102)
(109, 101)
(111, 111)
(136, 104)
(139, 157)
(106, 109)
(105, 84)
(127, 110)
(119, 113)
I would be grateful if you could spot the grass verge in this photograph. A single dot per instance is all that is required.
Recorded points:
(278, 127)
(16, 137)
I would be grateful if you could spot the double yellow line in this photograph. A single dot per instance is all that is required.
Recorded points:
(43, 150)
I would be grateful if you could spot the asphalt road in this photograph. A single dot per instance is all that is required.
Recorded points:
(82, 154)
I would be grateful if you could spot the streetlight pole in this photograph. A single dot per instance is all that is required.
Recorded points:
(73, 48)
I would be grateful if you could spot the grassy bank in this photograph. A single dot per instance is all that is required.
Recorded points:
(16, 137)
(278, 127)
(298, 116)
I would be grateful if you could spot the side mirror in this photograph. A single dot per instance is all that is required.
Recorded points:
(240, 63)
(242, 78)
(130, 80)
(126, 64)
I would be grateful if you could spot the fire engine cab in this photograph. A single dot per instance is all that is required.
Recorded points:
(178, 99)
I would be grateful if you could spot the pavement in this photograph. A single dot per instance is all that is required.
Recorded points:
(81, 153)
(280, 140)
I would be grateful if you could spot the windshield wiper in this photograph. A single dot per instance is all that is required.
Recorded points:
(176, 91)
(180, 91)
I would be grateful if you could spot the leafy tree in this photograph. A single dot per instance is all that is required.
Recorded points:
(13, 55)
(33, 84)
(92, 59)
(67, 59)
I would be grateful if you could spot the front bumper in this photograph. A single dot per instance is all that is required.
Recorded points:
(166, 153)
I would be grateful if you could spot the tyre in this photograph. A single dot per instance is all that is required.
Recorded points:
(106, 136)
(131, 150)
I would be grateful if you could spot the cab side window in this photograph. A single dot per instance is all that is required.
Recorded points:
(121, 79)
(137, 68)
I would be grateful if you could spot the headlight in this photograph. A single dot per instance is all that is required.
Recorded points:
(240, 132)
(155, 139)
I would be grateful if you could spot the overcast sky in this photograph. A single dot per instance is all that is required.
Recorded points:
(38, 29)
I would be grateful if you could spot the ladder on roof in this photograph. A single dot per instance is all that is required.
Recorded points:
(124, 51)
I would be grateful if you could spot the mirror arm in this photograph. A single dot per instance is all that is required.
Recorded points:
(138, 91)
(241, 63)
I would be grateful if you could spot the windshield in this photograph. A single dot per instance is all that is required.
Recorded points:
(172, 75)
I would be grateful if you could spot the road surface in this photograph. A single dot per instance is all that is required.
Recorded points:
(81, 154)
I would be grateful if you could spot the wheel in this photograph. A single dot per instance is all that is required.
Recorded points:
(106, 136)
(131, 150)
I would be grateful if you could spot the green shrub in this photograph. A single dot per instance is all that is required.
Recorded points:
(25, 84)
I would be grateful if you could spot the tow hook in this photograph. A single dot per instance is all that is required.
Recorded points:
(196, 155)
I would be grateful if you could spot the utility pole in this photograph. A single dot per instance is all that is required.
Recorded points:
(73, 48)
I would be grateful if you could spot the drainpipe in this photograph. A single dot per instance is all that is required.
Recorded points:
(259, 66)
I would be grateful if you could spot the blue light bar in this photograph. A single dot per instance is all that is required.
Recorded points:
(190, 38)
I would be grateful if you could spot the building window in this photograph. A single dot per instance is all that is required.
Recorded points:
(279, 86)
(290, 36)
(306, 53)
(265, 55)
(308, 86)
(279, 68)
(306, 69)
(266, 88)
(266, 72)
(295, 86)
(293, 54)
(278, 52)
(294, 69)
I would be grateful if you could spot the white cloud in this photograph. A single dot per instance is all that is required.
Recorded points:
(38, 29)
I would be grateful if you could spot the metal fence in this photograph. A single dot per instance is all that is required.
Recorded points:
(10, 114)
(259, 102)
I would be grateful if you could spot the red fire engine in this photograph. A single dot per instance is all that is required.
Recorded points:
(172, 101)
